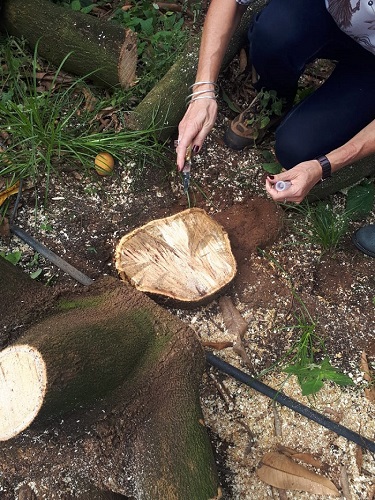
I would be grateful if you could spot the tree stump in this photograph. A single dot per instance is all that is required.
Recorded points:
(186, 258)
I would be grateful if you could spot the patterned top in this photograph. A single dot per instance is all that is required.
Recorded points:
(356, 18)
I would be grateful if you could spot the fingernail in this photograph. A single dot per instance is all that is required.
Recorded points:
(271, 176)
(195, 148)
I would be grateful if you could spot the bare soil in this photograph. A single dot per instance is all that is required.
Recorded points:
(86, 217)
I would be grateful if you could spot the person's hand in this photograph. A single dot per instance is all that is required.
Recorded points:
(303, 178)
(199, 119)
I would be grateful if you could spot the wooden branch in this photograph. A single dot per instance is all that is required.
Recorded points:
(98, 48)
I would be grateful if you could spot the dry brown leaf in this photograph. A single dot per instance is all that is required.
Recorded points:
(369, 391)
(282, 472)
(242, 60)
(344, 481)
(234, 322)
(359, 457)
(307, 458)
(4, 195)
(218, 346)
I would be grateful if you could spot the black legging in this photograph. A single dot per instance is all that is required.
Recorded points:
(287, 35)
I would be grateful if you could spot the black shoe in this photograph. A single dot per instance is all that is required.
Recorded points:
(250, 127)
(364, 239)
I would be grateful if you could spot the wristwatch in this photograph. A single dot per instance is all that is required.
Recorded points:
(326, 166)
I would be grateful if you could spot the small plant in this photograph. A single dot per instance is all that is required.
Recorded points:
(302, 363)
(322, 226)
(269, 105)
(12, 257)
(301, 359)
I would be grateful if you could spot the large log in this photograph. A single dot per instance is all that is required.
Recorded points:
(105, 51)
(112, 372)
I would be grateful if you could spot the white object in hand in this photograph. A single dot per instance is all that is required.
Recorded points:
(282, 185)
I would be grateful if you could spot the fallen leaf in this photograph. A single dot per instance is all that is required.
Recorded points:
(218, 346)
(367, 375)
(344, 481)
(4, 195)
(243, 60)
(234, 322)
(282, 472)
(307, 458)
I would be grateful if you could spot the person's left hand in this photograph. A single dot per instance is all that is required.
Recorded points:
(303, 177)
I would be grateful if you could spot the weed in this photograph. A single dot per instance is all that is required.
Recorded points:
(323, 226)
(301, 358)
(47, 130)
(12, 257)
(269, 105)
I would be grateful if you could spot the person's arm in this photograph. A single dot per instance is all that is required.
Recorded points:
(305, 175)
(222, 19)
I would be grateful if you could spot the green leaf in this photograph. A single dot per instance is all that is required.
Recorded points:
(75, 5)
(272, 168)
(36, 274)
(311, 375)
(264, 121)
(360, 200)
(13, 257)
(230, 103)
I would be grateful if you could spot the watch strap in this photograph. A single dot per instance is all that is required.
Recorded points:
(326, 166)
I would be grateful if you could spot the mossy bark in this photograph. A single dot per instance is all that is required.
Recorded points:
(101, 50)
(123, 382)
(344, 178)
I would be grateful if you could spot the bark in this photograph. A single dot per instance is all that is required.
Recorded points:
(101, 49)
(344, 178)
(121, 409)
(21, 300)
(164, 106)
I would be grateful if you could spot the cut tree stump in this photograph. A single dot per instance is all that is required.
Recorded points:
(100, 50)
(185, 257)
(106, 385)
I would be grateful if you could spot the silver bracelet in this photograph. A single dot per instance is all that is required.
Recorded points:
(204, 83)
(199, 92)
(201, 97)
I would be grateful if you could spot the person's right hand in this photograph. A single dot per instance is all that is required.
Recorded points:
(198, 121)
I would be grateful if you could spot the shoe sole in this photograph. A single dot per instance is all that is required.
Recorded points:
(361, 248)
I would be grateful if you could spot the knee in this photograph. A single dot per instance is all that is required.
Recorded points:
(292, 148)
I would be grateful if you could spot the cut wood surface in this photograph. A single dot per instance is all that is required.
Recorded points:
(23, 381)
(99, 48)
(185, 257)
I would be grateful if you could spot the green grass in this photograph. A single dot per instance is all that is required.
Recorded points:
(49, 130)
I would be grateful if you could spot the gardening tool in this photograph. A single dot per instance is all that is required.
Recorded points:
(186, 170)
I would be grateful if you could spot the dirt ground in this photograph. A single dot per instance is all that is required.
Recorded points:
(86, 217)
